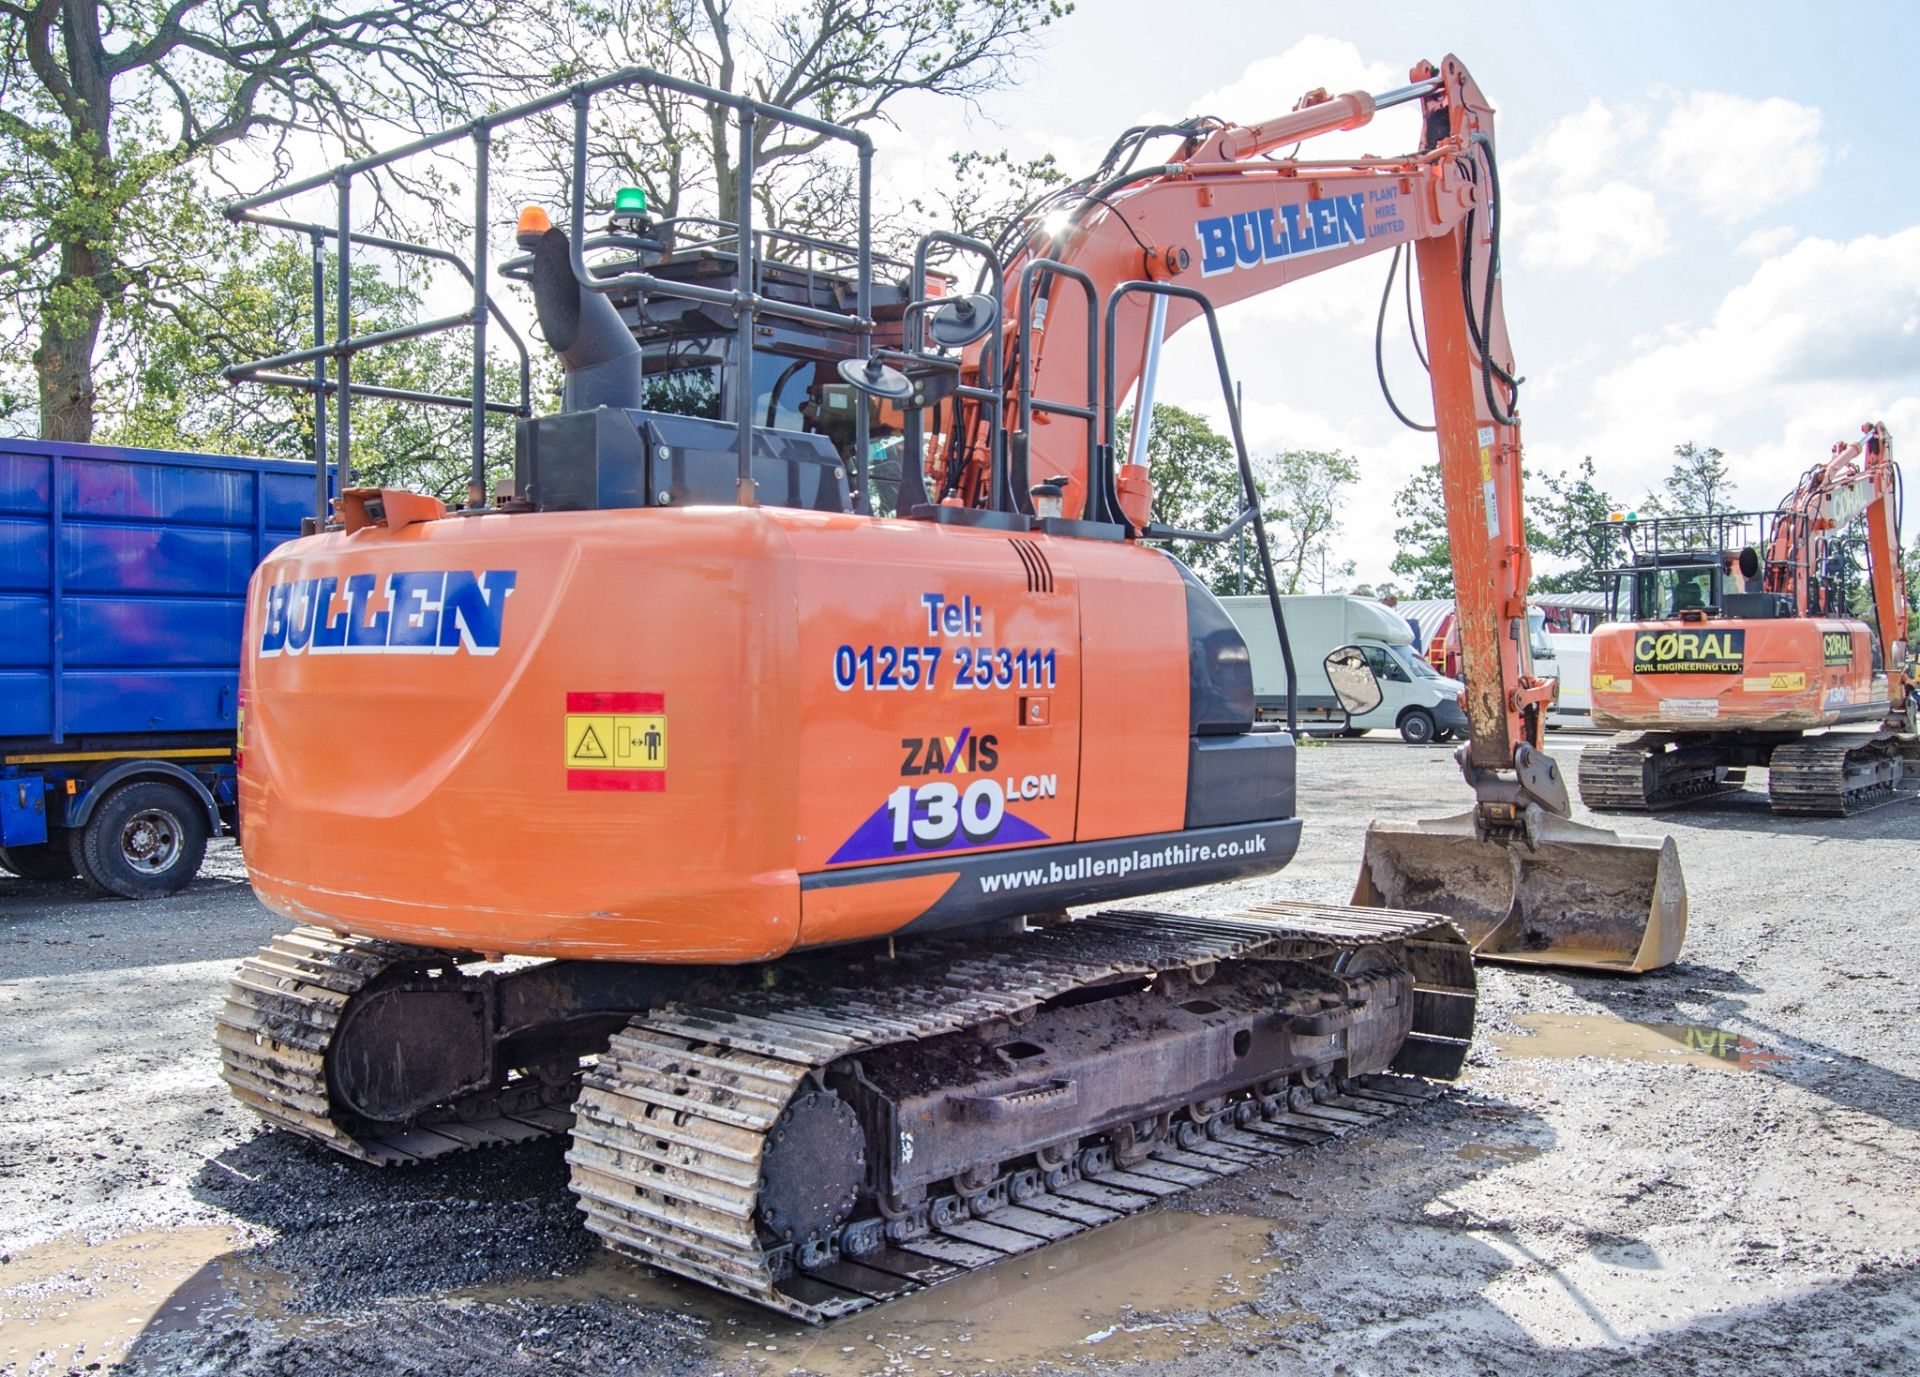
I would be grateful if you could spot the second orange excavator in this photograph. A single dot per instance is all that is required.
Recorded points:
(1721, 658)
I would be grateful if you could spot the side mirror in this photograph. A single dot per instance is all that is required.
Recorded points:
(1353, 680)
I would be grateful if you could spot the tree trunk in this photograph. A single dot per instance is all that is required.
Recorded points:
(68, 335)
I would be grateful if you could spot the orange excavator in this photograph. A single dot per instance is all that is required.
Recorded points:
(1721, 658)
(816, 660)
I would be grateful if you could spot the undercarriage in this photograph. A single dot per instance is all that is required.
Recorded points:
(830, 1131)
(1828, 775)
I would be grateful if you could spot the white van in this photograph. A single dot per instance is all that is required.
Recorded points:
(1415, 700)
(1571, 653)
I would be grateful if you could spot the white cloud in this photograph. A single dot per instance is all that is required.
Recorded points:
(1764, 243)
(1817, 340)
(1270, 85)
(1568, 211)
(1735, 157)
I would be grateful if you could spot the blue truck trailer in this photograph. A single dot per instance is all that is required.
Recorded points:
(123, 580)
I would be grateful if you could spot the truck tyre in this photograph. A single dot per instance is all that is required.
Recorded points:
(1417, 725)
(144, 841)
(47, 861)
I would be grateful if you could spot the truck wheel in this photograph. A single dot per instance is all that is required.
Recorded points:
(47, 861)
(144, 841)
(1444, 734)
(1418, 726)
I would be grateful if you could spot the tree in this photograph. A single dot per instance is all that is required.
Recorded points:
(1568, 522)
(110, 115)
(1304, 489)
(848, 61)
(1697, 485)
(168, 392)
(1423, 554)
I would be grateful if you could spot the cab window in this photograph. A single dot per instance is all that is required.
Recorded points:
(1665, 593)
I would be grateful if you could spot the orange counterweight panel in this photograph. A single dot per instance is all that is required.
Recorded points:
(566, 735)
(1743, 675)
(1135, 671)
(706, 735)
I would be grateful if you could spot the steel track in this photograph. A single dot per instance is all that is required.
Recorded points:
(1625, 775)
(676, 1119)
(1835, 774)
(282, 1007)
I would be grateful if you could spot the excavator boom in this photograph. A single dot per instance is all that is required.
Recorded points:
(1221, 220)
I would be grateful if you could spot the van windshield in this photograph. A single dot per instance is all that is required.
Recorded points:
(1415, 665)
(1537, 643)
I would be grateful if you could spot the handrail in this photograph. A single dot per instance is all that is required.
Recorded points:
(1028, 404)
(745, 300)
(1249, 489)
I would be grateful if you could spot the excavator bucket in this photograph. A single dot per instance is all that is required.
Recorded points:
(1583, 897)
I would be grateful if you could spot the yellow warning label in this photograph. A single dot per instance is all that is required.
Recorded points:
(1792, 682)
(1607, 683)
(1486, 465)
(616, 741)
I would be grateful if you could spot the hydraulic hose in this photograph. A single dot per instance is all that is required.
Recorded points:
(1379, 332)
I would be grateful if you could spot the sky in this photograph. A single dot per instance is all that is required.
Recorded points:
(1712, 231)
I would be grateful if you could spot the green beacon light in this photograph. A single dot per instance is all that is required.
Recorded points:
(630, 200)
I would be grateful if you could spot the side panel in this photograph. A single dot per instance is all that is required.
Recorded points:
(940, 679)
(1134, 701)
(122, 581)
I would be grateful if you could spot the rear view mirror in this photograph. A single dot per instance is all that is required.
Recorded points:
(1353, 680)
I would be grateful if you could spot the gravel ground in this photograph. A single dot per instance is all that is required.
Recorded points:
(1710, 1169)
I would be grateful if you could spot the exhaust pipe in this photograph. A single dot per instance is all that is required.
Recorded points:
(1578, 896)
(598, 351)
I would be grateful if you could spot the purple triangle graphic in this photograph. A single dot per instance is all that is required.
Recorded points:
(873, 839)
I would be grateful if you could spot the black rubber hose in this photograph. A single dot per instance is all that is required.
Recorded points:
(1484, 327)
(1379, 333)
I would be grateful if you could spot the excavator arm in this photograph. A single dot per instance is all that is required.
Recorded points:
(1860, 482)
(1228, 217)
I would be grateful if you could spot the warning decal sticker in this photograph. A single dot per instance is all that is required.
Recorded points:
(616, 741)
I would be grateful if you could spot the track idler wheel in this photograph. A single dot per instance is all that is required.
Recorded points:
(812, 1170)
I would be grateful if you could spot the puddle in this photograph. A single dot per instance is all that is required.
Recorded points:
(67, 1303)
(1109, 1294)
(1565, 1036)
(1491, 1152)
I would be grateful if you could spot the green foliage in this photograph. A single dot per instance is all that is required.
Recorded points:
(110, 117)
(1563, 510)
(166, 391)
(1568, 527)
(1196, 487)
(1305, 489)
(1698, 484)
(849, 61)
(1421, 551)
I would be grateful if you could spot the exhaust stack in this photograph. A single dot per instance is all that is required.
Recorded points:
(598, 351)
